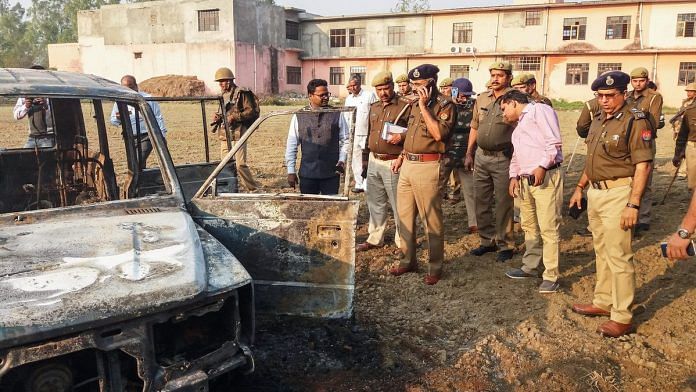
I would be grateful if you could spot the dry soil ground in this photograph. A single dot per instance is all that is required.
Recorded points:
(476, 330)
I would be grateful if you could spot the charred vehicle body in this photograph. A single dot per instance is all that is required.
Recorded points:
(115, 276)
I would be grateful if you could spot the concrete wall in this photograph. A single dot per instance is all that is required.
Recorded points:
(65, 57)
(659, 26)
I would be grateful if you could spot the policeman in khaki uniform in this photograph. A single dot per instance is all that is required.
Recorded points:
(239, 110)
(432, 117)
(620, 149)
(527, 84)
(446, 86)
(649, 102)
(404, 86)
(688, 101)
(491, 166)
(447, 176)
(378, 156)
(686, 145)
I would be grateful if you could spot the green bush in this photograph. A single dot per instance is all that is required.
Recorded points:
(562, 104)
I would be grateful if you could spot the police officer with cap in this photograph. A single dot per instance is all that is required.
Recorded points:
(432, 118)
(404, 86)
(649, 102)
(381, 150)
(620, 148)
(676, 120)
(491, 166)
(446, 86)
(686, 137)
(446, 176)
(241, 110)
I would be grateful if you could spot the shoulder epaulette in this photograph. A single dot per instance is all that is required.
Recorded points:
(443, 100)
(638, 114)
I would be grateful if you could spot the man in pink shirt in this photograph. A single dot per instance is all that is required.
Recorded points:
(536, 179)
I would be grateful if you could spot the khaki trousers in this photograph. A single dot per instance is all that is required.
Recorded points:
(466, 179)
(380, 196)
(243, 172)
(491, 182)
(540, 214)
(691, 165)
(616, 277)
(418, 195)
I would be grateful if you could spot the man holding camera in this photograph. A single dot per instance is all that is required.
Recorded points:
(38, 111)
(323, 139)
(491, 166)
(432, 118)
(620, 149)
(536, 180)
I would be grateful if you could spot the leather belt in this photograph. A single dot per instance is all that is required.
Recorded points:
(608, 184)
(423, 157)
(492, 153)
(385, 157)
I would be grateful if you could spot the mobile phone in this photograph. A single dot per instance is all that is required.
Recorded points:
(455, 92)
(689, 249)
(574, 212)
(530, 180)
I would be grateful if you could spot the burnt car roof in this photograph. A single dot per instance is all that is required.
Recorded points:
(32, 82)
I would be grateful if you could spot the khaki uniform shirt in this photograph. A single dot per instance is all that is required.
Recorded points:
(685, 103)
(590, 110)
(611, 152)
(493, 133)
(687, 131)
(650, 103)
(235, 115)
(418, 139)
(541, 99)
(379, 114)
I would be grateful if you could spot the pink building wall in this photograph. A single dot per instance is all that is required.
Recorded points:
(253, 67)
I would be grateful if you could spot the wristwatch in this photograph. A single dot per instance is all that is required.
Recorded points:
(683, 233)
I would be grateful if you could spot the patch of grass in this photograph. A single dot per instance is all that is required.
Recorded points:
(562, 104)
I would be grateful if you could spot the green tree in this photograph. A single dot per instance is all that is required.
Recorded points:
(14, 48)
(411, 6)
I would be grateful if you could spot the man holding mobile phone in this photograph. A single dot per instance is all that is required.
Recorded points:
(536, 180)
(678, 242)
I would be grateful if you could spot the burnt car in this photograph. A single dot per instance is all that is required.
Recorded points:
(118, 276)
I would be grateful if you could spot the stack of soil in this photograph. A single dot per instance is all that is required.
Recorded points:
(173, 86)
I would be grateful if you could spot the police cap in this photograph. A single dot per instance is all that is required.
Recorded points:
(614, 79)
(401, 78)
(640, 72)
(464, 86)
(691, 86)
(501, 65)
(519, 79)
(446, 82)
(423, 71)
(531, 78)
(384, 77)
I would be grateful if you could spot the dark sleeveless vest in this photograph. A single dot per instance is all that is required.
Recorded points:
(318, 138)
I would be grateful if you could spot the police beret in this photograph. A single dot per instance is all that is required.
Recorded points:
(639, 72)
(446, 82)
(384, 77)
(614, 79)
(401, 78)
(690, 87)
(464, 86)
(501, 65)
(423, 71)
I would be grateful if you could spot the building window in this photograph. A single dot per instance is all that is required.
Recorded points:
(292, 30)
(606, 67)
(687, 73)
(685, 25)
(360, 71)
(209, 20)
(293, 75)
(338, 38)
(617, 27)
(396, 35)
(336, 75)
(574, 29)
(462, 33)
(356, 38)
(525, 63)
(532, 18)
(459, 71)
(577, 73)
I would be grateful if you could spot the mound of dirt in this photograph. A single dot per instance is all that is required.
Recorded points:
(173, 86)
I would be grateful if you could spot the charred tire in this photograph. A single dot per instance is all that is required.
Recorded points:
(52, 377)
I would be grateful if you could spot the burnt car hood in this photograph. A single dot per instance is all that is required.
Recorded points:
(58, 273)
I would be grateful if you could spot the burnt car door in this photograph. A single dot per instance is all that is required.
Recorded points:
(298, 248)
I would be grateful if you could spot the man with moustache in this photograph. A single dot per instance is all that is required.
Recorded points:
(432, 118)
(491, 166)
(404, 85)
(381, 150)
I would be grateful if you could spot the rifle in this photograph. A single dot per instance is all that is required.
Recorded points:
(680, 113)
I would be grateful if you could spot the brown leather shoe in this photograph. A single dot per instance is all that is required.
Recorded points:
(473, 229)
(590, 310)
(431, 279)
(612, 329)
(398, 271)
(365, 246)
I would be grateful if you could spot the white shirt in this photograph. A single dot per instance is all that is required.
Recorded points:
(293, 138)
(131, 114)
(20, 111)
(362, 102)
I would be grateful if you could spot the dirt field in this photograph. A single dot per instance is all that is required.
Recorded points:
(476, 330)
